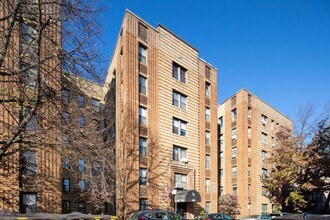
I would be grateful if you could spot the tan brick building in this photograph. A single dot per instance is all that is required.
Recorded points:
(247, 133)
(166, 113)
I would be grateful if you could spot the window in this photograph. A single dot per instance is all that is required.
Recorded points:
(180, 181)
(221, 174)
(29, 163)
(249, 152)
(207, 207)
(66, 185)
(264, 191)
(179, 100)
(81, 165)
(66, 162)
(143, 116)
(65, 140)
(233, 115)
(221, 157)
(65, 96)
(179, 154)
(143, 55)
(66, 117)
(264, 120)
(82, 207)
(221, 190)
(81, 101)
(29, 203)
(234, 152)
(81, 121)
(249, 113)
(207, 185)
(207, 89)
(249, 132)
(234, 187)
(31, 126)
(264, 208)
(142, 85)
(249, 190)
(81, 185)
(221, 139)
(143, 32)
(264, 173)
(95, 105)
(207, 162)
(220, 121)
(263, 155)
(272, 125)
(207, 114)
(233, 134)
(249, 170)
(65, 207)
(234, 171)
(179, 127)
(207, 138)
(30, 76)
(264, 138)
(179, 73)
(143, 146)
(143, 176)
(96, 168)
(143, 204)
(249, 208)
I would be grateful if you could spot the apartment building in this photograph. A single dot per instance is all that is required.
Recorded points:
(166, 129)
(247, 133)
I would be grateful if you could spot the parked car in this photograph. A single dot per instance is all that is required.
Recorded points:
(257, 217)
(155, 214)
(273, 215)
(215, 216)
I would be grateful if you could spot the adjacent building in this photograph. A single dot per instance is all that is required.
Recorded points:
(247, 133)
(166, 121)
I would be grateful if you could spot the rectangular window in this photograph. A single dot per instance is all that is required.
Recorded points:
(207, 138)
(264, 120)
(249, 132)
(249, 152)
(234, 187)
(264, 191)
(31, 126)
(143, 204)
(179, 127)
(221, 174)
(249, 190)
(249, 113)
(142, 116)
(66, 117)
(29, 163)
(29, 203)
(207, 207)
(180, 181)
(179, 100)
(143, 32)
(207, 114)
(179, 73)
(272, 125)
(143, 55)
(65, 96)
(66, 185)
(81, 101)
(30, 76)
(220, 121)
(81, 185)
(234, 171)
(233, 115)
(221, 139)
(233, 134)
(207, 186)
(207, 162)
(264, 173)
(143, 146)
(81, 165)
(180, 154)
(263, 155)
(234, 152)
(81, 121)
(221, 157)
(207, 89)
(66, 162)
(249, 208)
(249, 170)
(95, 105)
(221, 190)
(264, 208)
(65, 207)
(264, 138)
(142, 85)
(143, 176)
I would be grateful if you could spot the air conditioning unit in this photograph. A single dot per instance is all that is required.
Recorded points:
(184, 159)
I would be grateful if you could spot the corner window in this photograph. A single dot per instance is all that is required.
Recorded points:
(207, 114)
(180, 154)
(81, 101)
(207, 162)
(66, 162)
(233, 134)
(263, 120)
(179, 127)
(29, 203)
(66, 185)
(142, 85)
(207, 89)
(95, 105)
(29, 163)
(143, 55)
(249, 132)
(81, 165)
(249, 170)
(143, 116)
(179, 100)
(143, 176)
(81, 121)
(179, 73)
(249, 113)
(220, 121)
(221, 174)
(143, 146)
(234, 152)
(65, 96)
(233, 115)
(81, 185)
(66, 117)
(207, 186)
(207, 138)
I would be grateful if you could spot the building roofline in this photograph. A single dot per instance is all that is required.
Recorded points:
(139, 18)
(244, 89)
(185, 42)
(208, 64)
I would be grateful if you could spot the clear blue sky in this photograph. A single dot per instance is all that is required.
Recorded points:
(277, 49)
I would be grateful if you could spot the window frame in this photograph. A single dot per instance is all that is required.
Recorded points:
(179, 153)
(181, 100)
(143, 148)
(142, 57)
(178, 75)
(181, 128)
(143, 176)
(142, 85)
(142, 116)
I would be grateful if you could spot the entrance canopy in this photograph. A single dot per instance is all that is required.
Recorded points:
(187, 196)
